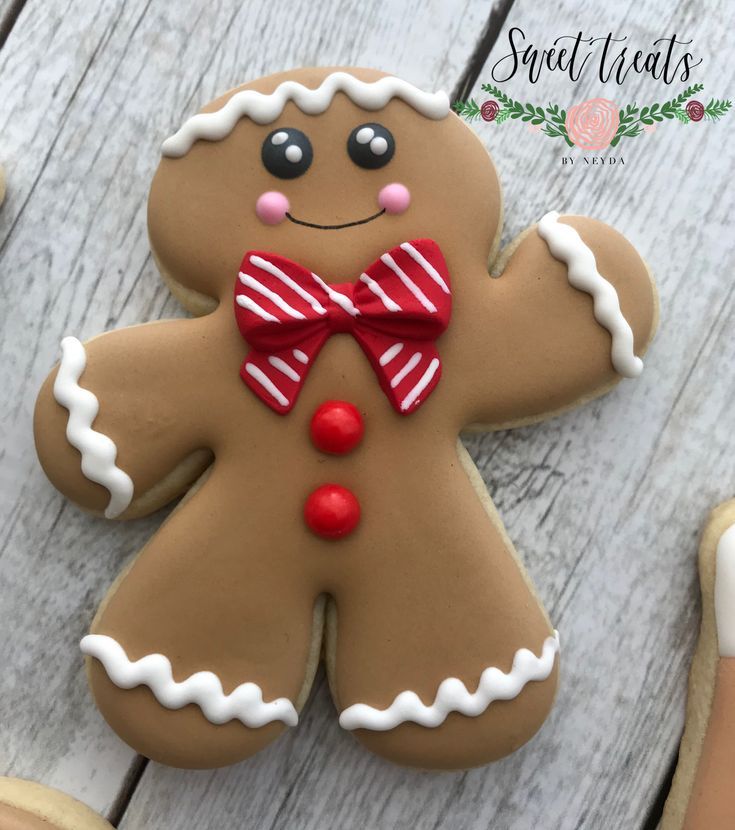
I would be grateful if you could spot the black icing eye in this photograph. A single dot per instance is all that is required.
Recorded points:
(371, 146)
(287, 153)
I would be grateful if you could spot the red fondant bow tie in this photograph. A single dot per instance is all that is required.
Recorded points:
(395, 311)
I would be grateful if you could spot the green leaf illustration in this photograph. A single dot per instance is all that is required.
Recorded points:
(716, 109)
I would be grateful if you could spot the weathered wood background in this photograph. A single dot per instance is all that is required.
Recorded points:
(605, 504)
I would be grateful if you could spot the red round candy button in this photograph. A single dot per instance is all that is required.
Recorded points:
(337, 427)
(332, 511)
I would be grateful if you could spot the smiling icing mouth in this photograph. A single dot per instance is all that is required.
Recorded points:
(334, 227)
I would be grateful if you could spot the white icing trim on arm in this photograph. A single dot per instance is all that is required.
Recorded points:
(98, 451)
(204, 688)
(453, 696)
(725, 593)
(265, 109)
(566, 244)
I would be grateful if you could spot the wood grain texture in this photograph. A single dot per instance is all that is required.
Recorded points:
(87, 92)
(605, 504)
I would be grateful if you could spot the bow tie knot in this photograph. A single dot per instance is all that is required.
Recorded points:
(395, 310)
(341, 316)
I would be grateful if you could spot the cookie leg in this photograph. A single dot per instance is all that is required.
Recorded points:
(25, 805)
(205, 650)
(701, 794)
(441, 656)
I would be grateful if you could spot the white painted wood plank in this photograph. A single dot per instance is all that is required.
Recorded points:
(87, 92)
(605, 505)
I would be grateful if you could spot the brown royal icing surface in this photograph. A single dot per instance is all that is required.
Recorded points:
(13, 818)
(711, 804)
(427, 586)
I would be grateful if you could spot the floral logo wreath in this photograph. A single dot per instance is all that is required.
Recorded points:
(593, 124)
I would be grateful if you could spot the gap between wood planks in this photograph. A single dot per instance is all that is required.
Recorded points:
(465, 82)
(8, 20)
(129, 785)
(495, 22)
(653, 818)
(468, 79)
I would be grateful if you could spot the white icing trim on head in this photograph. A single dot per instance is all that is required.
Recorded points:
(566, 244)
(453, 696)
(98, 451)
(265, 109)
(204, 688)
(725, 593)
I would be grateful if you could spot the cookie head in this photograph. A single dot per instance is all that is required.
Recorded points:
(326, 167)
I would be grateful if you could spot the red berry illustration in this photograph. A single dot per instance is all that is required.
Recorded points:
(489, 110)
(695, 110)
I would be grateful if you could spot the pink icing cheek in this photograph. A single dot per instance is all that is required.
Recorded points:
(394, 198)
(271, 207)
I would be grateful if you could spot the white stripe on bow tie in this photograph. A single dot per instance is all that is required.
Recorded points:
(388, 260)
(275, 271)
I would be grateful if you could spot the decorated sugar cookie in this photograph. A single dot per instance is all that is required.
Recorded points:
(25, 805)
(332, 232)
(702, 796)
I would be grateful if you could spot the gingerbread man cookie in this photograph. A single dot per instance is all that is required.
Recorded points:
(332, 229)
(702, 796)
(25, 805)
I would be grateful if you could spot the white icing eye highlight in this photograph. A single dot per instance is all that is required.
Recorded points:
(364, 135)
(379, 145)
(293, 153)
(287, 153)
(371, 146)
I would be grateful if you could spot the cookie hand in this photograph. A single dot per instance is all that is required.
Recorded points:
(108, 435)
(571, 313)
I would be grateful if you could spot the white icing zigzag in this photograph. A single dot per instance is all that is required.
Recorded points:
(98, 451)
(264, 109)
(453, 696)
(725, 593)
(245, 703)
(566, 245)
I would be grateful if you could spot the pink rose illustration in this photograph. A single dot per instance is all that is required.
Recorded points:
(489, 110)
(592, 124)
(695, 110)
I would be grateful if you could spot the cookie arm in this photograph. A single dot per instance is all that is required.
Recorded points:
(570, 315)
(118, 424)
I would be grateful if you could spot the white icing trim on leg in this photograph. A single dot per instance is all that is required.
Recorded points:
(453, 696)
(725, 593)
(566, 244)
(204, 688)
(98, 451)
